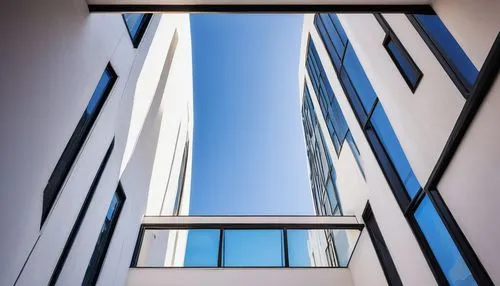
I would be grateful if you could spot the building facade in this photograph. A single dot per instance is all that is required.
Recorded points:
(399, 114)
(97, 134)
(386, 107)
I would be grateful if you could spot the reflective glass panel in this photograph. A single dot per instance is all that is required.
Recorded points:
(133, 22)
(442, 245)
(359, 79)
(246, 248)
(179, 248)
(449, 48)
(306, 248)
(393, 148)
(402, 60)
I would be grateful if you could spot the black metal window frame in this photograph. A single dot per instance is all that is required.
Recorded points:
(81, 215)
(245, 226)
(383, 254)
(319, 79)
(322, 200)
(449, 68)
(392, 37)
(137, 38)
(408, 206)
(74, 147)
(93, 271)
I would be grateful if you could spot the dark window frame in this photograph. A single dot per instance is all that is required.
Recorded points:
(143, 26)
(74, 147)
(391, 36)
(81, 215)
(92, 273)
(378, 242)
(449, 68)
(485, 77)
(317, 169)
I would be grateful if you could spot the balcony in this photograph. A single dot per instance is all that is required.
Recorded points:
(248, 250)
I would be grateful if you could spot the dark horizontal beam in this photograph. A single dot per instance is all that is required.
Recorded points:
(276, 8)
(256, 226)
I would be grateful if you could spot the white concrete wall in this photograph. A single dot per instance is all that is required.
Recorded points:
(50, 68)
(470, 184)
(241, 277)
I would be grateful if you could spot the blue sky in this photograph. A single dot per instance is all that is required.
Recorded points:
(249, 153)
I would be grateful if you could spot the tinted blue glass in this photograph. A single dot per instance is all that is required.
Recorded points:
(133, 21)
(330, 35)
(335, 20)
(359, 79)
(332, 195)
(253, 248)
(399, 55)
(297, 248)
(354, 99)
(330, 108)
(442, 245)
(355, 152)
(99, 92)
(333, 51)
(112, 207)
(307, 248)
(202, 248)
(449, 48)
(393, 148)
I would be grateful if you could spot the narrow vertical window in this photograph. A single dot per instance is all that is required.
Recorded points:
(80, 217)
(75, 143)
(401, 58)
(182, 179)
(136, 25)
(322, 172)
(447, 50)
(383, 254)
(104, 239)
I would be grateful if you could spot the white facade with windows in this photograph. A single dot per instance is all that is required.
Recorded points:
(88, 167)
(55, 56)
(423, 121)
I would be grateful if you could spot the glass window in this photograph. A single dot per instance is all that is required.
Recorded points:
(136, 25)
(306, 248)
(77, 139)
(338, 26)
(355, 152)
(359, 79)
(449, 48)
(104, 239)
(411, 73)
(330, 108)
(202, 248)
(442, 245)
(392, 146)
(334, 51)
(332, 194)
(179, 248)
(330, 36)
(354, 99)
(247, 248)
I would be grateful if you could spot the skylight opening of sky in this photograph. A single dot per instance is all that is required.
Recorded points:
(249, 151)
